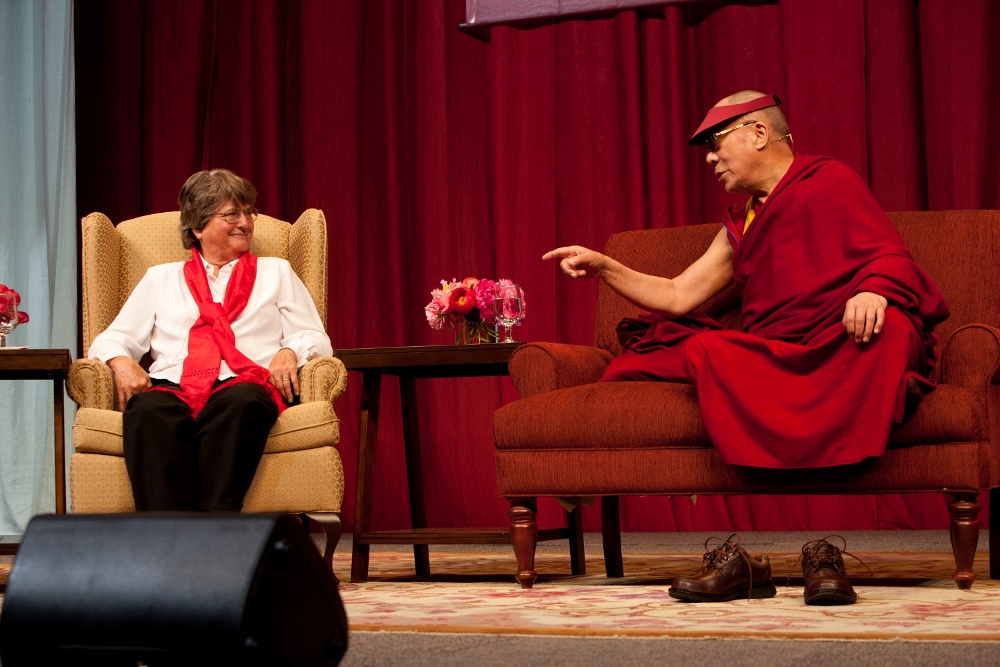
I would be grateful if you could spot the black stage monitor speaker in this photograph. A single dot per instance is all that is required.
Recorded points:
(170, 589)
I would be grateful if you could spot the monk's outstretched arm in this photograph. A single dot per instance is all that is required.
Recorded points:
(699, 282)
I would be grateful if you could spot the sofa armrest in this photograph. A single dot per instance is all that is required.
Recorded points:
(90, 384)
(971, 357)
(536, 368)
(322, 379)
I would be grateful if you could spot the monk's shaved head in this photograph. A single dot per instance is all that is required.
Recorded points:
(770, 116)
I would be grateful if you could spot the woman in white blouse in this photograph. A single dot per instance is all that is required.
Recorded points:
(227, 332)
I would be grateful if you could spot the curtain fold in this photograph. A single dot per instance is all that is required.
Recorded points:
(438, 156)
(38, 238)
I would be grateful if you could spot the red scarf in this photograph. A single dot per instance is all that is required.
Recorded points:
(211, 338)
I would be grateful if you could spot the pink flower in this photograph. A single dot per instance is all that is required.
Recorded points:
(435, 311)
(485, 289)
(433, 314)
(470, 283)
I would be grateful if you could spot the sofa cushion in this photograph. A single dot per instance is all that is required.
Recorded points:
(604, 415)
(98, 431)
(300, 427)
(302, 481)
(650, 415)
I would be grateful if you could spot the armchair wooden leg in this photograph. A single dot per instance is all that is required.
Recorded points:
(611, 533)
(524, 538)
(577, 554)
(330, 521)
(964, 536)
(994, 533)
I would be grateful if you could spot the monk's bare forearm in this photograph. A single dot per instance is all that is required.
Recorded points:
(672, 297)
(652, 293)
(677, 296)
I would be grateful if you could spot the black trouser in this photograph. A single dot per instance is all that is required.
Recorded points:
(178, 463)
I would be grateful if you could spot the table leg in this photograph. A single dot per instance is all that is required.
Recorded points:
(370, 395)
(577, 553)
(59, 436)
(414, 468)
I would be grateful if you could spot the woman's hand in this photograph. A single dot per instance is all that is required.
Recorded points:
(130, 379)
(285, 374)
(577, 261)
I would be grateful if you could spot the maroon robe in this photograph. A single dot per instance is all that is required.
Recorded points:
(793, 390)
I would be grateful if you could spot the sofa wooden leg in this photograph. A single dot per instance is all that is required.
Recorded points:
(611, 533)
(330, 521)
(524, 537)
(994, 533)
(577, 554)
(964, 536)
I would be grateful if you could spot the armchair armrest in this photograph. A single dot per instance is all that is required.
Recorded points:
(322, 379)
(536, 368)
(971, 357)
(90, 384)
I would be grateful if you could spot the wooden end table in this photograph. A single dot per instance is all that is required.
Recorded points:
(409, 364)
(29, 364)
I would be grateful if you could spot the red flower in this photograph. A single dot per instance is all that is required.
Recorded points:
(22, 318)
(4, 289)
(461, 300)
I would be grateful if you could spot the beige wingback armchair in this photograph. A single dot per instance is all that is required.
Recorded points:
(300, 471)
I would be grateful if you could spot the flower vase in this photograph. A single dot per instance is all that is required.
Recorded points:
(474, 333)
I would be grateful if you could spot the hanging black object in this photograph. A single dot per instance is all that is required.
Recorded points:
(170, 589)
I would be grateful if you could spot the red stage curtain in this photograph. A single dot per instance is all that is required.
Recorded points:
(435, 155)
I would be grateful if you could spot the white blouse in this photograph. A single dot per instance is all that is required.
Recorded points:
(160, 312)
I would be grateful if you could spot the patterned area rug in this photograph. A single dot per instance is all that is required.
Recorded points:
(911, 596)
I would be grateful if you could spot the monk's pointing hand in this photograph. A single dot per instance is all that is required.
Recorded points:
(577, 261)
(864, 316)
(130, 379)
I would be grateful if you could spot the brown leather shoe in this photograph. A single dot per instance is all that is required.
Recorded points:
(727, 572)
(824, 574)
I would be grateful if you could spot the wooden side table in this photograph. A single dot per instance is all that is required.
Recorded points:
(409, 364)
(43, 365)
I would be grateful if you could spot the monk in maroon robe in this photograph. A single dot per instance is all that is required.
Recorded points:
(838, 317)
(837, 328)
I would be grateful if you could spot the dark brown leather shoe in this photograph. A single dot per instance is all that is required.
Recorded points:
(824, 574)
(727, 572)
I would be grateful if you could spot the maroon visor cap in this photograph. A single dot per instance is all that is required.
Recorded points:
(719, 115)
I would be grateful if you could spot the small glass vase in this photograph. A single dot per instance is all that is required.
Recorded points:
(474, 333)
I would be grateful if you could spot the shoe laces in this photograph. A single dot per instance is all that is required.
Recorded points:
(820, 554)
(713, 558)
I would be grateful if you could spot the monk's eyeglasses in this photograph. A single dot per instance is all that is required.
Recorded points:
(232, 217)
(712, 142)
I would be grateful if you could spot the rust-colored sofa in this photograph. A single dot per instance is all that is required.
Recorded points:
(571, 436)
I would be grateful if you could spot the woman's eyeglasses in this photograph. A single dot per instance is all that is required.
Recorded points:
(232, 217)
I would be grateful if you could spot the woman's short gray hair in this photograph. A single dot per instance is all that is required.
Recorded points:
(203, 193)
